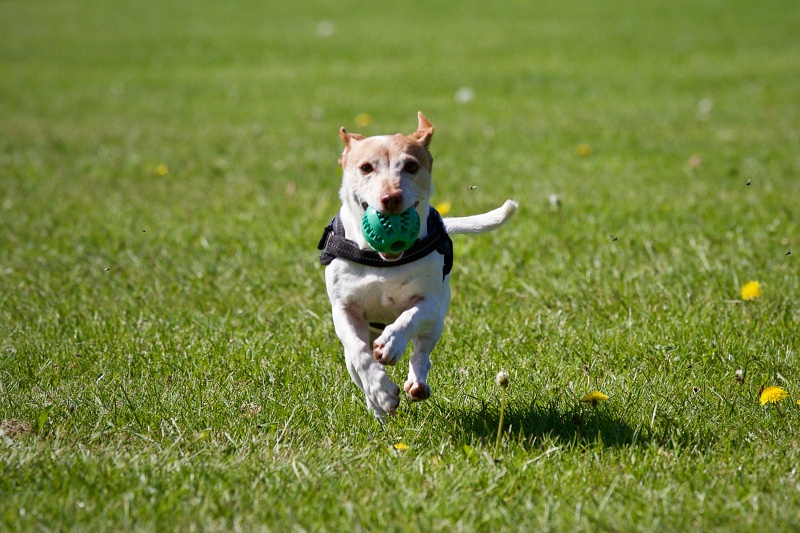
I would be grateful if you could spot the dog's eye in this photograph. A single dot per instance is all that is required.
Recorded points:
(411, 167)
(366, 168)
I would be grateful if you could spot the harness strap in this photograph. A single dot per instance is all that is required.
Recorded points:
(334, 244)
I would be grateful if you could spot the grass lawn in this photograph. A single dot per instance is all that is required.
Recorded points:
(167, 358)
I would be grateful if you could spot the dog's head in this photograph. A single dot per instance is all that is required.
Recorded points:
(387, 172)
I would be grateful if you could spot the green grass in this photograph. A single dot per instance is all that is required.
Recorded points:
(177, 327)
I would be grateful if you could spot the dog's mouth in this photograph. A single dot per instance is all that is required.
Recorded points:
(390, 257)
(365, 206)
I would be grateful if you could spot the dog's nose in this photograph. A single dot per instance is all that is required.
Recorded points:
(392, 202)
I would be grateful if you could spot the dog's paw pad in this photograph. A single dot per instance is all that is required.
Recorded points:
(416, 391)
(385, 353)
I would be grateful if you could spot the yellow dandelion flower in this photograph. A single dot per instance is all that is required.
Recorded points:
(162, 170)
(772, 395)
(583, 150)
(401, 446)
(751, 290)
(363, 120)
(443, 207)
(594, 397)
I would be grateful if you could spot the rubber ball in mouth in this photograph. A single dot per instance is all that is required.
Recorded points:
(390, 234)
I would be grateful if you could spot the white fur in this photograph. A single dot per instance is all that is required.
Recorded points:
(411, 299)
(481, 223)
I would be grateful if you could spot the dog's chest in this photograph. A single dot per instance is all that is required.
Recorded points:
(381, 294)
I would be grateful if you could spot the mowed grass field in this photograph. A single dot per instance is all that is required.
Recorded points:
(168, 361)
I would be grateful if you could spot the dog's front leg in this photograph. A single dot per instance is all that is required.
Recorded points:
(418, 319)
(382, 395)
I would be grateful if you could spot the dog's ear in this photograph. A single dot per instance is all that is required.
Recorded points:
(424, 130)
(347, 138)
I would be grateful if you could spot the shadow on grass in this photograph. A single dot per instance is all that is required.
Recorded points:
(564, 425)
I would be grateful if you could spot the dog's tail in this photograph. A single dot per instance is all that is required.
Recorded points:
(481, 223)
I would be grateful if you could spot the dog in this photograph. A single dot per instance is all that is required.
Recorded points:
(382, 301)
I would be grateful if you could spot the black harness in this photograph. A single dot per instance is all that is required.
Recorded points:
(334, 244)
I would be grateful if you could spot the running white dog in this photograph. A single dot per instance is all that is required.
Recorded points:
(382, 301)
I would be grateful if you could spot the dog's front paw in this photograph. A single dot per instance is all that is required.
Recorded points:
(383, 396)
(387, 349)
(417, 391)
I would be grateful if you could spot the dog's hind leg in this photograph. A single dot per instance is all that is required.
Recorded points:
(416, 386)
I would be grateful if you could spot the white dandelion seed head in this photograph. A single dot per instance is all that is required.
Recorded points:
(704, 108)
(502, 379)
(465, 95)
(325, 28)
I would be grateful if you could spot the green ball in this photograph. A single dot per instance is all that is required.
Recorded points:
(390, 234)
